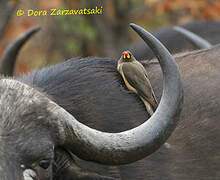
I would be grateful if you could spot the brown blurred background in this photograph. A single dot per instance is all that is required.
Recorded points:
(63, 37)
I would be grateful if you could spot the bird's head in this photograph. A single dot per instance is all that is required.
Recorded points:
(127, 56)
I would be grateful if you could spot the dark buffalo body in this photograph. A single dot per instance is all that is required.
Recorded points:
(88, 89)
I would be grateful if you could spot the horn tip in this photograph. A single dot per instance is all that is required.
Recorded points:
(36, 28)
(133, 25)
(177, 28)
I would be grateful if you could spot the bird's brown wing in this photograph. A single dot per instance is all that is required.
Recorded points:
(137, 78)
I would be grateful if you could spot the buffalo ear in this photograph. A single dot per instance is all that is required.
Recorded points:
(65, 168)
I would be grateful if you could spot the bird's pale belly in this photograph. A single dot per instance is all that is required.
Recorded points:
(127, 83)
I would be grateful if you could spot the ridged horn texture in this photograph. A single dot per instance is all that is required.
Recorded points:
(9, 56)
(196, 40)
(137, 143)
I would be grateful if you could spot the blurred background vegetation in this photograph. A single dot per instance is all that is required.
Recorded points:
(63, 37)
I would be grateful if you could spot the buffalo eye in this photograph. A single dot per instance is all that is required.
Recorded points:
(45, 163)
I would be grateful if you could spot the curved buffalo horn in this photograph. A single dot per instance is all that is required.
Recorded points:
(8, 60)
(196, 40)
(131, 145)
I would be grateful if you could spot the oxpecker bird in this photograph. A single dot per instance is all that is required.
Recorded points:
(136, 80)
